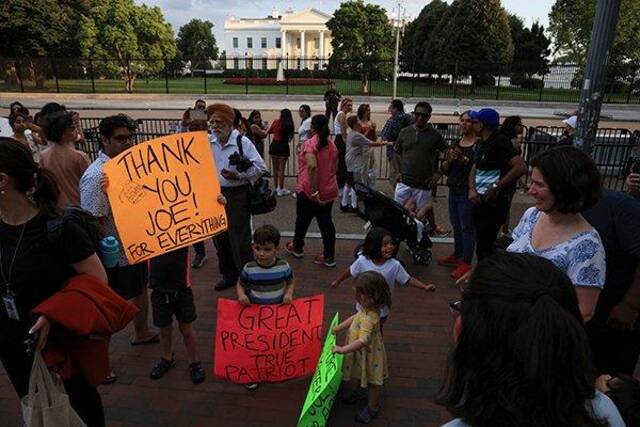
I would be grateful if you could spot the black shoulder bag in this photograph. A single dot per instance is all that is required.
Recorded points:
(262, 199)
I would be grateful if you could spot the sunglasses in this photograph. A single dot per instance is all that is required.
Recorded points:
(421, 114)
(122, 138)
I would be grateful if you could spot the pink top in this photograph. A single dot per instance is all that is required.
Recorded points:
(327, 160)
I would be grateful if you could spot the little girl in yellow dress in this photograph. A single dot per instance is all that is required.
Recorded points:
(366, 358)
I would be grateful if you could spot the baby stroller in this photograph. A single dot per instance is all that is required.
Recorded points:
(383, 211)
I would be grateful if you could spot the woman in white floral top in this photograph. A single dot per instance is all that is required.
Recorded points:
(565, 182)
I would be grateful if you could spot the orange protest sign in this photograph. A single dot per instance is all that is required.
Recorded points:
(267, 343)
(163, 195)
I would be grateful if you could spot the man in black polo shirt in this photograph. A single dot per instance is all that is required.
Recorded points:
(614, 330)
(497, 167)
(419, 147)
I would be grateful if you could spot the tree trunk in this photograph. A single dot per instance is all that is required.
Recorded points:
(365, 84)
(10, 74)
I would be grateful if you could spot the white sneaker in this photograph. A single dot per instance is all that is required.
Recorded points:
(278, 192)
(285, 192)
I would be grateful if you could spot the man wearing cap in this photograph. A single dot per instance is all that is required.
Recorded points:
(497, 166)
(419, 147)
(569, 131)
(234, 245)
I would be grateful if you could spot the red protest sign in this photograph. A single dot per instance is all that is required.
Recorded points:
(267, 343)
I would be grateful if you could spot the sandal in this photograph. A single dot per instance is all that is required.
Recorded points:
(196, 372)
(366, 415)
(162, 367)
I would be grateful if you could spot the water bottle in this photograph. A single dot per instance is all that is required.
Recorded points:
(110, 251)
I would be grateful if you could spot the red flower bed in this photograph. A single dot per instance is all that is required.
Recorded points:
(272, 81)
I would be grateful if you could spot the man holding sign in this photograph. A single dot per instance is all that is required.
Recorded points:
(129, 281)
(235, 172)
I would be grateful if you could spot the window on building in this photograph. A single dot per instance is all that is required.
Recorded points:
(249, 63)
(250, 42)
(263, 42)
(236, 64)
(316, 43)
(298, 42)
(278, 43)
(235, 42)
(264, 63)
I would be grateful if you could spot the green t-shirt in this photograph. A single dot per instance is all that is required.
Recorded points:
(419, 152)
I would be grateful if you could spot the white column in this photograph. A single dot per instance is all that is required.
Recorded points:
(303, 49)
(283, 44)
(321, 49)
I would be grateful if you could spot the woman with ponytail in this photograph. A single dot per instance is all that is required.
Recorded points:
(317, 190)
(521, 355)
(31, 269)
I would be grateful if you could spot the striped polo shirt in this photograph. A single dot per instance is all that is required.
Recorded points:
(266, 285)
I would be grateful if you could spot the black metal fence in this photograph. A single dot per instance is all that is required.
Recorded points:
(295, 75)
(612, 151)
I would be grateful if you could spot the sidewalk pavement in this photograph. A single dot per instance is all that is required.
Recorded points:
(441, 106)
(417, 339)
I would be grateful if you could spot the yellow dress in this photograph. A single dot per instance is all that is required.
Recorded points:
(368, 364)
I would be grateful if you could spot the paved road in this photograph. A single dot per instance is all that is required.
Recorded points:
(141, 102)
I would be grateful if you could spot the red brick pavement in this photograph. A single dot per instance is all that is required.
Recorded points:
(417, 338)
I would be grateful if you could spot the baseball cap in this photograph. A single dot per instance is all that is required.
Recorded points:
(571, 121)
(488, 116)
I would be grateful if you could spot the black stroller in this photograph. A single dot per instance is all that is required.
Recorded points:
(383, 211)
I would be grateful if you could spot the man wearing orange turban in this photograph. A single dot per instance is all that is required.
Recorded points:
(234, 245)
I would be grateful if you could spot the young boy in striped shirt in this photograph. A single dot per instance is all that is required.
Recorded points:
(268, 279)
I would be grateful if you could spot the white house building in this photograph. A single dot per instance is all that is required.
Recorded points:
(301, 39)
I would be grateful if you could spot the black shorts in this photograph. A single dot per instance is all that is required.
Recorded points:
(165, 305)
(129, 281)
(279, 149)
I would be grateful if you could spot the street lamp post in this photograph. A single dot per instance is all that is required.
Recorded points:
(395, 62)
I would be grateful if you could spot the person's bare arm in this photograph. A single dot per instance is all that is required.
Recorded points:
(312, 167)
(418, 284)
(343, 126)
(288, 292)
(242, 295)
(345, 324)
(517, 169)
(343, 276)
(257, 130)
(587, 300)
(473, 193)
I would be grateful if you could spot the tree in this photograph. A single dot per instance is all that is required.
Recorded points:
(530, 46)
(129, 40)
(418, 36)
(196, 42)
(473, 36)
(362, 39)
(33, 32)
(570, 23)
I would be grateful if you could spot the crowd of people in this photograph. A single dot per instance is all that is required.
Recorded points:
(546, 331)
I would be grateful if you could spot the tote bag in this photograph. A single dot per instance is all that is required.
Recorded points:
(47, 404)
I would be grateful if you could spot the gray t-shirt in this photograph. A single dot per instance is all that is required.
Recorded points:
(358, 149)
(601, 406)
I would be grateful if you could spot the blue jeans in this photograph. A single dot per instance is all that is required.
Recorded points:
(462, 223)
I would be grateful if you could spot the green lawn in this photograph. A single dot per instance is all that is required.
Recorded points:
(215, 85)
